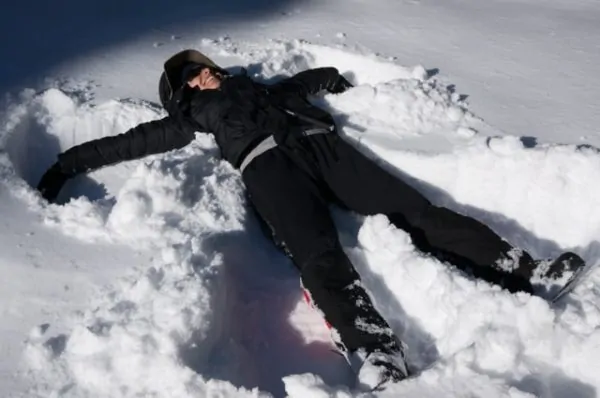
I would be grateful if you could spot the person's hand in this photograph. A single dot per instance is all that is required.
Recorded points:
(52, 181)
(340, 85)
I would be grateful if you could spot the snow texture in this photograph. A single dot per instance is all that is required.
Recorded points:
(175, 292)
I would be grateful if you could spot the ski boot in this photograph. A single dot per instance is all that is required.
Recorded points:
(553, 279)
(377, 370)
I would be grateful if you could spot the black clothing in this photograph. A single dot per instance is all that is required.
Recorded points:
(243, 113)
(149, 138)
(292, 184)
(319, 170)
(240, 115)
(291, 188)
(52, 182)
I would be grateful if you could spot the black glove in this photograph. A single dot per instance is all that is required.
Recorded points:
(340, 85)
(52, 181)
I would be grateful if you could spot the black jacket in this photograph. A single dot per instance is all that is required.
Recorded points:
(239, 114)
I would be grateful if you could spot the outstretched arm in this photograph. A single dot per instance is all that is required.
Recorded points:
(145, 139)
(312, 81)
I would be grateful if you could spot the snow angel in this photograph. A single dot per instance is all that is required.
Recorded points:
(294, 164)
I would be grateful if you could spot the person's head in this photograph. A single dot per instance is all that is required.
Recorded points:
(201, 76)
(187, 69)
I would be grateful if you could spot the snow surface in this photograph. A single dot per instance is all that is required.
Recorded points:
(152, 278)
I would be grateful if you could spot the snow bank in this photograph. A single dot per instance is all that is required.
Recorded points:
(210, 315)
(542, 197)
(131, 342)
(515, 340)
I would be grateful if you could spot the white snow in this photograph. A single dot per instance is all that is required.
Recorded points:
(153, 279)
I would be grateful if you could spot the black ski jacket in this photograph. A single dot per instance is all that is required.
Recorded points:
(240, 114)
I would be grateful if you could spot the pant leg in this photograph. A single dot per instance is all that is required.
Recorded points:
(290, 202)
(365, 187)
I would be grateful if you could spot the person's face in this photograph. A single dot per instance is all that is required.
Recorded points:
(205, 80)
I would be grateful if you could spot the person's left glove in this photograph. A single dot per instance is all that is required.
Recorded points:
(341, 85)
(52, 181)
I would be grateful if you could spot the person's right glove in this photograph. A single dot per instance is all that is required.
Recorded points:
(52, 181)
(341, 85)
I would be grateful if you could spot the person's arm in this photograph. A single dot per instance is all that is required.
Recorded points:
(145, 139)
(312, 81)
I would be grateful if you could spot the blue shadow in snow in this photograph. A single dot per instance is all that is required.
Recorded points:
(38, 35)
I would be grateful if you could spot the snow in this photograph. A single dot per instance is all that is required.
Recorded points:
(152, 278)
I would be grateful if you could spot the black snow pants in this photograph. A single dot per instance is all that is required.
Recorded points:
(291, 187)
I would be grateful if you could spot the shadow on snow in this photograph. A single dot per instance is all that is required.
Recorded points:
(57, 32)
(252, 342)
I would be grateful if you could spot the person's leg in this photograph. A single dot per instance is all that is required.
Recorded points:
(290, 203)
(365, 187)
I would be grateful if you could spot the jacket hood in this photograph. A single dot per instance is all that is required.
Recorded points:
(170, 79)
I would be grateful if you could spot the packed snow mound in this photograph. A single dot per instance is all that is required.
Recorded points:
(541, 197)
(218, 311)
(41, 125)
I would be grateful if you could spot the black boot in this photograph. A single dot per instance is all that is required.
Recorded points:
(551, 277)
(560, 269)
(376, 370)
(546, 277)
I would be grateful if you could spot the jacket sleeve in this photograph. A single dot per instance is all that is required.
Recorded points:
(311, 81)
(145, 139)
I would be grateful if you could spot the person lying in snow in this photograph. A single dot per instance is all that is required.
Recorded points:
(294, 164)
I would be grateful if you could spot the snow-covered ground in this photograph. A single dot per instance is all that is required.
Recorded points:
(152, 279)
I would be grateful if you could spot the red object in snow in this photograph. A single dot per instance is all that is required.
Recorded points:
(308, 300)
